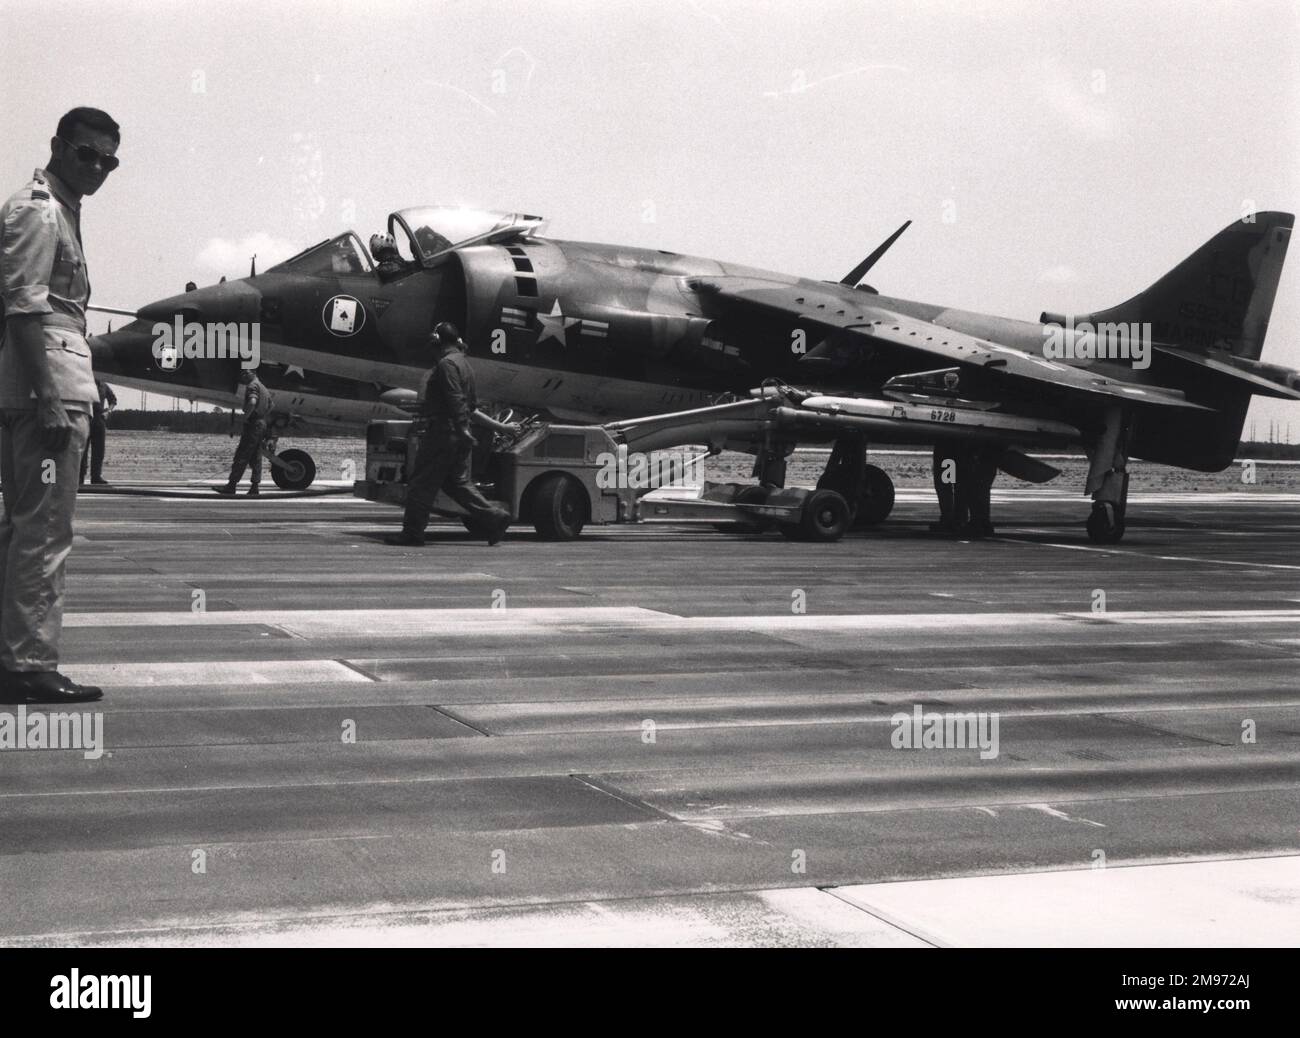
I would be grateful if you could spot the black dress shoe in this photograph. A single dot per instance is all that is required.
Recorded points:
(253, 491)
(405, 539)
(226, 491)
(46, 686)
(497, 529)
(99, 481)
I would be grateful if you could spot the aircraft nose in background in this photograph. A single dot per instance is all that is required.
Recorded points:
(232, 301)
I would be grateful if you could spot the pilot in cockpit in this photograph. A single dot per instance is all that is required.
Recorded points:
(388, 261)
(431, 241)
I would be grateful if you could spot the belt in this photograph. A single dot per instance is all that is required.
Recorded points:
(66, 321)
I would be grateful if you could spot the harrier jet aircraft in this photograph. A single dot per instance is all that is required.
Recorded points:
(589, 332)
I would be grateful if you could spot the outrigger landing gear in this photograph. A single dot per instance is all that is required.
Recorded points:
(868, 489)
(1108, 479)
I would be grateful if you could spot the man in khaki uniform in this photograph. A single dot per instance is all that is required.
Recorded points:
(257, 410)
(47, 392)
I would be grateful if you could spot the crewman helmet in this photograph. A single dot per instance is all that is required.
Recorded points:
(382, 246)
(446, 333)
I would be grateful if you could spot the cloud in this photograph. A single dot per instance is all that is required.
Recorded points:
(1059, 275)
(1080, 109)
(230, 256)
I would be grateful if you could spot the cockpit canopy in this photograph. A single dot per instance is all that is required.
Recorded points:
(342, 255)
(433, 231)
(424, 235)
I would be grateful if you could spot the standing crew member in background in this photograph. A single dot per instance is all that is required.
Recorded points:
(47, 391)
(257, 406)
(443, 460)
(976, 491)
(949, 467)
(94, 452)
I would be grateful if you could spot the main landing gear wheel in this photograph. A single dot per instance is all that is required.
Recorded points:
(877, 499)
(825, 517)
(1105, 524)
(559, 507)
(297, 471)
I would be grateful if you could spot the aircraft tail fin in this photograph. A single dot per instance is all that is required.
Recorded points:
(1208, 318)
(1216, 302)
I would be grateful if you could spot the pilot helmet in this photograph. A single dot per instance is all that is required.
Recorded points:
(382, 246)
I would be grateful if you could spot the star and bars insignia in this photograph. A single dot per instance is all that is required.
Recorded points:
(553, 325)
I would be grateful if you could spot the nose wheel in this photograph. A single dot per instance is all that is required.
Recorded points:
(293, 470)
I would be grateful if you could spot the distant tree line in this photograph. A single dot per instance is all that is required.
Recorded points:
(1249, 449)
(220, 421)
(172, 421)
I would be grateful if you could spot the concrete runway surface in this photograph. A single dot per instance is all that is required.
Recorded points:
(669, 735)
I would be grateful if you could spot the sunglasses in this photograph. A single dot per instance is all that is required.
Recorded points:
(87, 154)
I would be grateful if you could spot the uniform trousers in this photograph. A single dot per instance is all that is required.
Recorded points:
(40, 497)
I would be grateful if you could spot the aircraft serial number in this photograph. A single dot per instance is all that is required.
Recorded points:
(943, 416)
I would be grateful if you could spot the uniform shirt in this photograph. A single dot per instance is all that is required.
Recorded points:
(257, 399)
(43, 271)
(449, 394)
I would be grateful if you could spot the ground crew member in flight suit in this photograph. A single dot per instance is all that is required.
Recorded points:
(949, 468)
(443, 459)
(257, 408)
(47, 391)
(975, 489)
(94, 452)
(963, 483)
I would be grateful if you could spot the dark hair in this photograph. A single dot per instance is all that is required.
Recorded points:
(93, 119)
(447, 332)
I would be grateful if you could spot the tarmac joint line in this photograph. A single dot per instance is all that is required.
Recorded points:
(889, 919)
(453, 716)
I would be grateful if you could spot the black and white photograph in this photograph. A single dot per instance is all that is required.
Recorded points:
(691, 474)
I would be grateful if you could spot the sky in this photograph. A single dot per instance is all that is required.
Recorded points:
(1052, 156)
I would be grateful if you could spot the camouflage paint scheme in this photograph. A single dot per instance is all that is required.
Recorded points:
(584, 331)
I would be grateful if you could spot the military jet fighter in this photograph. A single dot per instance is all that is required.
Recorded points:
(589, 332)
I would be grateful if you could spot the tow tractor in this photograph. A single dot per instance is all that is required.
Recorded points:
(561, 478)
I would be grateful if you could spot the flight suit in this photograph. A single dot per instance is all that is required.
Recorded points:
(42, 271)
(975, 487)
(953, 505)
(443, 459)
(257, 406)
(94, 452)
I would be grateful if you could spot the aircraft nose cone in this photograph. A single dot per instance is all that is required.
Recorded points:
(232, 301)
(127, 351)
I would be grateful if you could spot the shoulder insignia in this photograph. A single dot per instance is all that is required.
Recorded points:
(38, 194)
